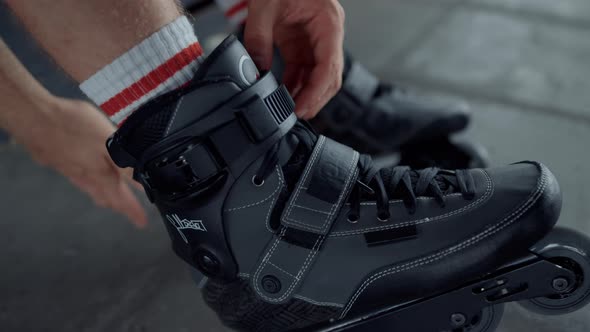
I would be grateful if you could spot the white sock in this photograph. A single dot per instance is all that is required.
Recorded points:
(161, 63)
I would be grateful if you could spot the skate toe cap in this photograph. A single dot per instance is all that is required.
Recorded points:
(548, 204)
(535, 191)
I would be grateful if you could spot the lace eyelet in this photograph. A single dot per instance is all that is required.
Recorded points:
(257, 182)
(353, 219)
(383, 217)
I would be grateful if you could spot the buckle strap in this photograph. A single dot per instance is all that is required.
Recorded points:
(245, 107)
(261, 117)
(186, 168)
(229, 138)
(325, 183)
(306, 221)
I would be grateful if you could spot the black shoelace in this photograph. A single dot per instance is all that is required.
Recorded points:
(407, 185)
(402, 183)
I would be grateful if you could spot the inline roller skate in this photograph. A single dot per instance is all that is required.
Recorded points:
(297, 232)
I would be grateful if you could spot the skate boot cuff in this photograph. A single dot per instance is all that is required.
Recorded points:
(229, 137)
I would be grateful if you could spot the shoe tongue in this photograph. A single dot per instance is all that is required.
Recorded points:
(440, 179)
(229, 60)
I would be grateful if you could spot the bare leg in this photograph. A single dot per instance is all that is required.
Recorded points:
(123, 53)
(84, 36)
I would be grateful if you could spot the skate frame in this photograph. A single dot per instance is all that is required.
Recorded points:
(452, 311)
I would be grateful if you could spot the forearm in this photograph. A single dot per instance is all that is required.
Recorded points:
(23, 98)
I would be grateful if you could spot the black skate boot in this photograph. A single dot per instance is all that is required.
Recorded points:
(297, 231)
(380, 117)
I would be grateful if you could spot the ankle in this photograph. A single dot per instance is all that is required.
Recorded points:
(161, 63)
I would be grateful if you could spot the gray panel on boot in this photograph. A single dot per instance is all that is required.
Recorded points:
(247, 213)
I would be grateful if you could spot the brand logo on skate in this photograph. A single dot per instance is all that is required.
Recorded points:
(182, 224)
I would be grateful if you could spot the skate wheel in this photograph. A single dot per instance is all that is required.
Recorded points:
(487, 321)
(571, 250)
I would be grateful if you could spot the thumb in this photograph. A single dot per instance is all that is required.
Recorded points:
(258, 33)
(127, 173)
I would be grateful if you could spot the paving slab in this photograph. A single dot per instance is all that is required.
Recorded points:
(518, 319)
(379, 30)
(177, 307)
(543, 65)
(575, 10)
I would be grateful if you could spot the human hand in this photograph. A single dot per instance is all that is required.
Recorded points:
(69, 136)
(309, 35)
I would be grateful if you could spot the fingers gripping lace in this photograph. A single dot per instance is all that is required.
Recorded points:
(403, 182)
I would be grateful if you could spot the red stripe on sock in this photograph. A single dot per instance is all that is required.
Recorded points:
(236, 8)
(152, 80)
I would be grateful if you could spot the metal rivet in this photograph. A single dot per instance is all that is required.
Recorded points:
(458, 320)
(271, 284)
(560, 284)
